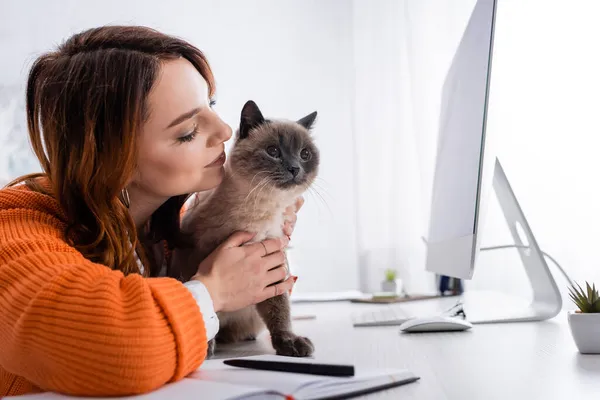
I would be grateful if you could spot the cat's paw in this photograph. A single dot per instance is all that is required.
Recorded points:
(212, 345)
(291, 345)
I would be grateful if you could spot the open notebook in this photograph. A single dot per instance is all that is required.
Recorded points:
(215, 380)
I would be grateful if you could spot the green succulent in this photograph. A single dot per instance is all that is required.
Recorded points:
(588, 301)
(390, 275)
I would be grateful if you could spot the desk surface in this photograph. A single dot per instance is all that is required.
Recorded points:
(536, 360)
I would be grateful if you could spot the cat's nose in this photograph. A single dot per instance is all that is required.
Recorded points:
(294, 171)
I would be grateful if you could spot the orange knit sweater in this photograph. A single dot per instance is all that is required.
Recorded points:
(72, 326)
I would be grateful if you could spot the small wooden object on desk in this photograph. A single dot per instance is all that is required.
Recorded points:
(387, 298)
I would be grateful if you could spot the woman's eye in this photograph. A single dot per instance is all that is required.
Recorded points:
(305, 154)
(273, 151)
(188, 137)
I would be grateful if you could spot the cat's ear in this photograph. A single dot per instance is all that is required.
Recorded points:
(251, 118)
(308, 121)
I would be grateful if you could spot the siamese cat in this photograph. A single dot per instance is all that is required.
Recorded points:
(271, 163)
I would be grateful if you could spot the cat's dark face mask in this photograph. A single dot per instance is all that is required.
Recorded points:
(278, 154)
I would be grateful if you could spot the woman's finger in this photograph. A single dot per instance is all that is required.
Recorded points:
(289, 213)
(267, 247)
(273, 261)
(238, 239)
(288, 229)
(299, 203)
(276, 275)
(292, 219)
(278, 289)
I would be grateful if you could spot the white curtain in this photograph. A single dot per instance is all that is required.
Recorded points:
(402, 50)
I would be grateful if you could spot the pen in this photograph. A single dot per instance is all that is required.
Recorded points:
(299, 367)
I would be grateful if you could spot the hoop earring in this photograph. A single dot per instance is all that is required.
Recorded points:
(125, 197)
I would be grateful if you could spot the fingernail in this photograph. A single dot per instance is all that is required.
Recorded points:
(295, 278)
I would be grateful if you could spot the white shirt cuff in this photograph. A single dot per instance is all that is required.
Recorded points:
(207, 308)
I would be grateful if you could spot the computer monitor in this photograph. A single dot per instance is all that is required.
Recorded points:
(467, 170)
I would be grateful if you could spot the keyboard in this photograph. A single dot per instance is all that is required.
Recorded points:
(388, 316)
(394, 316)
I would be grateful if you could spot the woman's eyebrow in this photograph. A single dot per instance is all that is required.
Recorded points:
(184, 116)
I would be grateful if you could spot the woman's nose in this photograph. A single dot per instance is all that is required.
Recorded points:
(227, 132)
(222, 132)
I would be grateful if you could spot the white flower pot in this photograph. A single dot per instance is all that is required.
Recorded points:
(585, 329)
(394, 286)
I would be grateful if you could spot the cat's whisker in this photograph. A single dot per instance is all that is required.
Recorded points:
(274, 177)
(320, 178)
(322, 185)
(261, 182)
(257, 174)
(314, 197)
(271, 192)
(256, 187)
(262, 197)
(258, 196)
(318, 196)
(242, 206)
(322, 189)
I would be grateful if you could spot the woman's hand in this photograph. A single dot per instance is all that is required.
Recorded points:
(291, 217)
(240, 275)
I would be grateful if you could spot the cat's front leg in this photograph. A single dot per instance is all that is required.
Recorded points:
(275, 312)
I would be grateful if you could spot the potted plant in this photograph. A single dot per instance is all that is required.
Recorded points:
(585, 321)
(391, 284)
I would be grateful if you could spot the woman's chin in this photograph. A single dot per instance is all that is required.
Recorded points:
(211, 181)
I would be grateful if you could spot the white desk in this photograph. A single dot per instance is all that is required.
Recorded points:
(500, 361)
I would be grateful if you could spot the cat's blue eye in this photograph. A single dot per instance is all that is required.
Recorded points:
(273, 151)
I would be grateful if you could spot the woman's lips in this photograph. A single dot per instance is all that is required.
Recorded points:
(218, 162)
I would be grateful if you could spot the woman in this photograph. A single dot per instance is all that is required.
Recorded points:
(120, 119)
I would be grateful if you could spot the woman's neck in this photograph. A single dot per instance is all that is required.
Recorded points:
(142, 205)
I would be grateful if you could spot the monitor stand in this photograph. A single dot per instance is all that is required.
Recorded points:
(547, 300)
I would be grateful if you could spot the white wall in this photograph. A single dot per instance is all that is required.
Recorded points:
(291, 57)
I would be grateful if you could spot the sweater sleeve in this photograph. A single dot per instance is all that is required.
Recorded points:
(72, 326)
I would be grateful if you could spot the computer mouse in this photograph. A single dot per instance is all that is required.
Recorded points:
(435, 324)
